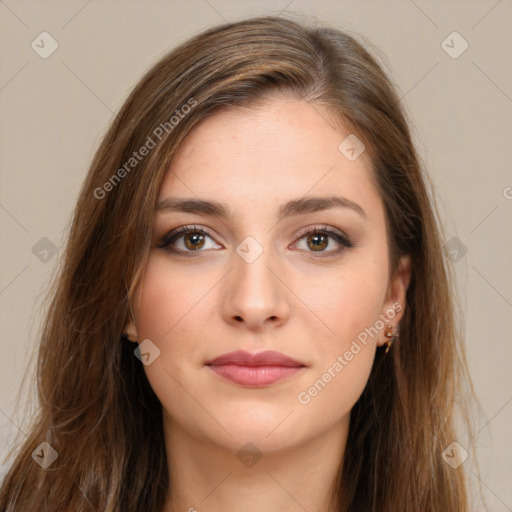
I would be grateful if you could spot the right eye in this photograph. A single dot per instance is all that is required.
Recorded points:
(191, 239)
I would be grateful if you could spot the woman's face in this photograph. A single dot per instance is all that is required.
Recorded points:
(258, 281)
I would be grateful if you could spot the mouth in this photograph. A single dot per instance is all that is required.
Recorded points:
(255, 370)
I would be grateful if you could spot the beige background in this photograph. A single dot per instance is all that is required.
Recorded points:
(53, 112)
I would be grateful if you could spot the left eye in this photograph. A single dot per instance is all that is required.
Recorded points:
(319, 239)
(193, 239)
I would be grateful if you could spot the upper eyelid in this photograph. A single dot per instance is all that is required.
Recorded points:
(191, 227)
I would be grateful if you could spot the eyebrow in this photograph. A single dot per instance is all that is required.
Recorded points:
(293, 207)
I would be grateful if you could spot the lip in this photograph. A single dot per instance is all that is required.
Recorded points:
(255, 370)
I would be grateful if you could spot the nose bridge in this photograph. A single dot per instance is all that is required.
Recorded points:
(255, 293)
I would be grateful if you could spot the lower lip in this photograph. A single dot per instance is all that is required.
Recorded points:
(254, 376)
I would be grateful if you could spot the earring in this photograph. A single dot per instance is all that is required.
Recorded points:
(391, 334)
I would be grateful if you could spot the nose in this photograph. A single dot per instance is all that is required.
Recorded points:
(254, 294)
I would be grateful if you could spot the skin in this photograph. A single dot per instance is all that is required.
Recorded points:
(311, 309)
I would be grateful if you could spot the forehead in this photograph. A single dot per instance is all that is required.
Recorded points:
(262, 156)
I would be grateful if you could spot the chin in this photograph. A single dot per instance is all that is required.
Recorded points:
(256, 440)
(264, 429)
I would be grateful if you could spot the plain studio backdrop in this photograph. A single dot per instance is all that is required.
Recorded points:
(66, 68)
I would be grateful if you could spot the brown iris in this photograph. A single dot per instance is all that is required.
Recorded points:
(319, 241)
(194, 240)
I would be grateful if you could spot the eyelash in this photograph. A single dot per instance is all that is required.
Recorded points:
(174, 235)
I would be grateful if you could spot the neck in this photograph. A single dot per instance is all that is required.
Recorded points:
(206, 476)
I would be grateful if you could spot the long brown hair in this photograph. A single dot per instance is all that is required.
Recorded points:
(96, 407)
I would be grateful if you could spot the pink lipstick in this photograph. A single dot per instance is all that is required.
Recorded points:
(255, 370)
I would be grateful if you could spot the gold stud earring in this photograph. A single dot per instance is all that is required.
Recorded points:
(391, 334)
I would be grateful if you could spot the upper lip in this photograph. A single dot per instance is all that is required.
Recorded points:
(266, 358)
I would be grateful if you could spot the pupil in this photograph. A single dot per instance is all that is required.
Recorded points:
(318, 240)
(194, 240)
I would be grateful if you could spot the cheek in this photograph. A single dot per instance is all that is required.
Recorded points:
(167, 297)
(346, 301)
(334, 392)
(167, 306)
(345, 357)
(349, 304)
(170, 311)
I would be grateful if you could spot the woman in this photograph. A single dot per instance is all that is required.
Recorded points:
(253, 310)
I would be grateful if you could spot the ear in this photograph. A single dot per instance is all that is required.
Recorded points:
(394, 305)
(130, 329)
